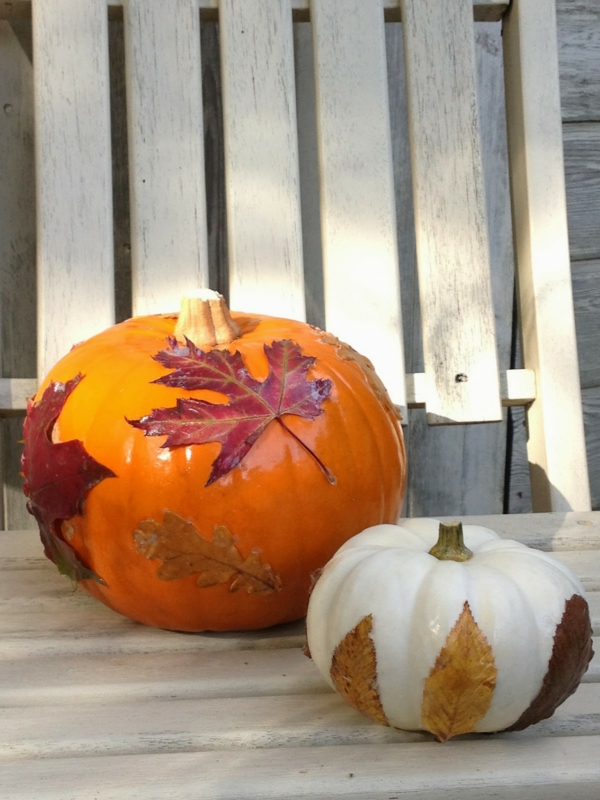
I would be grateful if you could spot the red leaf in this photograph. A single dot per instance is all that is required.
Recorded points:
(58, 477)
(252, 404)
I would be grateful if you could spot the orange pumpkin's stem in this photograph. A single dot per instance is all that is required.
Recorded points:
(205, 320)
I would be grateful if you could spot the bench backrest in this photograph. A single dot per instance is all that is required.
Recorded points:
(324, 213)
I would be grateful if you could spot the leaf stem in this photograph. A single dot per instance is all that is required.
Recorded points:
(327, 472)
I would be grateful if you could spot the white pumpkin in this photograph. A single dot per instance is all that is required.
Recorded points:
(482, 639)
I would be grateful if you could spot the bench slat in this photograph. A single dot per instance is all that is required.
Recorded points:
(261, 158)
(559, 476)
(73, 180)
(164, 102)
(358, 217)
(542, 769)
(459, 343)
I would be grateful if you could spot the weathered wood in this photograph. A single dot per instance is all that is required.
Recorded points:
(17, 257)
(214, 158)
(459, 343)
(559, 478)
(261, 158)
(591, 417)
(95, 678)
(548, 768)
(73, 182)
(169, 725)
(586, 297)
(582, 146)
(579, 57)
(309, 175)
(480, 480)
(483, 10)
(166, 153)
(358, 222)
(120, 170)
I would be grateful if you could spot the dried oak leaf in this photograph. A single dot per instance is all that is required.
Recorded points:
(183, 551)
(354, 671)
(348, 353)
(58, 477)
(459, 689)
(252, 404)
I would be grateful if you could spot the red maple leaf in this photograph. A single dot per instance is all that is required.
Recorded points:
(58, 477)
(252, 404)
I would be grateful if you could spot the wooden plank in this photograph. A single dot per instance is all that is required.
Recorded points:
(459, 344)
(120, 170)
(214, 158)
(558, 474)
(92, 679)
(542, 769)
(586, 297)
(166, 156)
(581, 147)
(358, 220)
(17, 257)
(74, 203)
(579, 58)
(478, 485)
(483, 10)
(517, 388)
(591, 417)
(261, 158)
(113, 726)
(309, 175)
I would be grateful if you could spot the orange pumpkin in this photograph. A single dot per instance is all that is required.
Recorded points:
(221, 532)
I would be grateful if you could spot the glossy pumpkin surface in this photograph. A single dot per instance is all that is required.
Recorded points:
(276, 505)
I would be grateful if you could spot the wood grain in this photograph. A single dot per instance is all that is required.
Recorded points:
(459, 343)
(166, 153)
(579, 56)
(17, 256)
(559, 478)
(73, 162)
(261, 158)
(582, 170)
(436, 485)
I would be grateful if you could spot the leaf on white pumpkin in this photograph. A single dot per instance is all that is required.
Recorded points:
(459, 689)
(184, 552)
(571, 654)
(354, 671)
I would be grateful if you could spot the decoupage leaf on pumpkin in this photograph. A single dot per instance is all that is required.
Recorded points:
(252, 404)
(183, 551)
(354, 671)
(58, 476)
(459, 689)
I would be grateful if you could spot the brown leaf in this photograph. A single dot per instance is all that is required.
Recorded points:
(185, 552)
(571, 654)
(347, 353)
(459, 689)
(354, 671)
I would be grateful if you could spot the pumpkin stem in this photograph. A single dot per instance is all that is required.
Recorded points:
(205, 320)
(451, 545)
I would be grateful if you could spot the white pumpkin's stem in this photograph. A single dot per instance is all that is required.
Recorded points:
(451, 544)
(205, 320)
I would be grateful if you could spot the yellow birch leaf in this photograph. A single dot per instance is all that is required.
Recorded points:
(459, 689)
(354, 671)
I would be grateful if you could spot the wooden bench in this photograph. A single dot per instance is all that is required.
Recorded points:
(318, 227)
